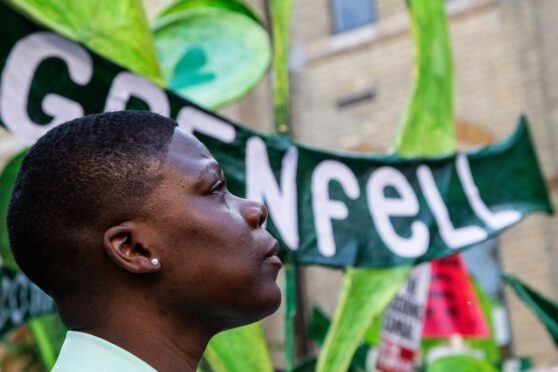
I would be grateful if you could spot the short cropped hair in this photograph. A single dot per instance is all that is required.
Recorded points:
(97, 169)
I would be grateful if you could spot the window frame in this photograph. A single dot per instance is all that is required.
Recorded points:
(335, 11)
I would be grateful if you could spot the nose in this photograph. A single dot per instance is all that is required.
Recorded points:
(254, 213)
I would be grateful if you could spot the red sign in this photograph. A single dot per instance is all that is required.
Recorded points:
(452, 306)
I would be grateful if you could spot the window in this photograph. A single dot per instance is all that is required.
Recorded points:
(349, 14)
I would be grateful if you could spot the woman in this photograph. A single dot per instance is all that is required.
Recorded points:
(127, 223)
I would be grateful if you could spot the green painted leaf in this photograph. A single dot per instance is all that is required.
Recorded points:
(49, 333)
(427, 127)
(117, 30)
(239, 349)
(280, 11)
(460, 363)
(489, 345)
(7, 178)
(374, 332)
(211, 55)
(318, 326)
(364, 295)
(543, 307)
(233, 5)
(189, 70)
(307, 364)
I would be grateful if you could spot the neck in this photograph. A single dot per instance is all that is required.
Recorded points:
(164, 343)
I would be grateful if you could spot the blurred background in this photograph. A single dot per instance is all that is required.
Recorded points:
(351, 73)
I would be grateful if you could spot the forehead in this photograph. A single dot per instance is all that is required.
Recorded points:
(188, 156)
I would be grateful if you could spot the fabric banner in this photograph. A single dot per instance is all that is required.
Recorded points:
(327, 208)
(453, 307)
(543, 307)
(402, 324)
(20, 300)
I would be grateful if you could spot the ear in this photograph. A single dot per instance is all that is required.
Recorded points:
(123, 245)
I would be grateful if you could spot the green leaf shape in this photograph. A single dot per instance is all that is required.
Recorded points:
(307, 364)
(212, 56)
(374, 331)
(427, 128)
(364, 295)
(489, 345)
(7, 179)
(460, 363)
(232, 5)
(188, 70)
(317, 330)
(318, 325)
(117, 30)
(545, 309)
(239, 349)
(280, 11)
(49, 333)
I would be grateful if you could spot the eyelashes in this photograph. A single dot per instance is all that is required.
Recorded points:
(219, 187)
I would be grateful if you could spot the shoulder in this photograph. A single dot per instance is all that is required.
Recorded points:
(82, 352)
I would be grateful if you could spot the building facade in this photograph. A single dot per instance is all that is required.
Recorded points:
(351, 75)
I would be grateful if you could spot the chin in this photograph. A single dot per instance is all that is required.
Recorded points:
(273, 302)
(267, 304)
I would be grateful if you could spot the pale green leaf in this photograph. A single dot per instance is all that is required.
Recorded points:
(365, 294)
(117, 30)
(460, 363)
(7, 178)
(232, 5)
(427, 127)
(211, 55)
(239, 349)
(280, 11)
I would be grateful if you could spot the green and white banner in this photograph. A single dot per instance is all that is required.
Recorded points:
(20, 300)
(327, 208)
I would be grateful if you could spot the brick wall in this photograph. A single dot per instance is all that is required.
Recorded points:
(503, 54)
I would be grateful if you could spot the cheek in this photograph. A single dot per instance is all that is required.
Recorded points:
(214, 260)
(205, 249)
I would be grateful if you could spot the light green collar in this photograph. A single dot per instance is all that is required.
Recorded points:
(82, 352)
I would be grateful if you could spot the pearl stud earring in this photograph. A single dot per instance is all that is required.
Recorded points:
(154, 262)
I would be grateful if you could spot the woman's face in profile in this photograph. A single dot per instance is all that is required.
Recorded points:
(217, 261)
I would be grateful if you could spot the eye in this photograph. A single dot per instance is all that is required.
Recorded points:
(219, 187)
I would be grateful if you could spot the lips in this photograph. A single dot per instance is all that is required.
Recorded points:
(273, 249)
(271, 254)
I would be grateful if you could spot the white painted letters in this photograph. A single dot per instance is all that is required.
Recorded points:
(495, 221)
(382, 208)
(191, 119)
(125, 85)
(324, 209)
(261, 186)
(17, 77)
(453, 237)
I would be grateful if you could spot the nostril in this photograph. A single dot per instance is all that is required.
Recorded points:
(255, 213)
(263, 216)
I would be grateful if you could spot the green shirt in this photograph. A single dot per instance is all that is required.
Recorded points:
(82, 352)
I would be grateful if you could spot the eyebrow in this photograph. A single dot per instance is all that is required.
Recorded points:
(211, 167)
